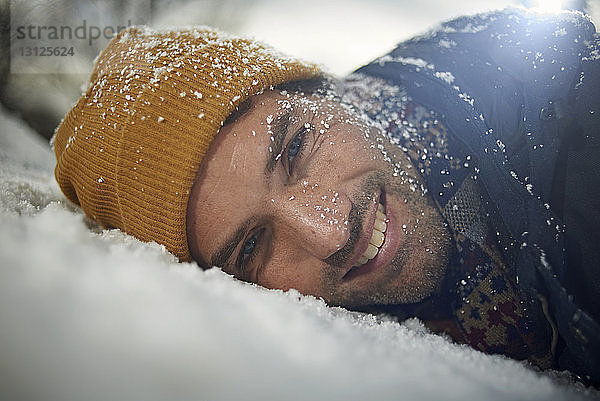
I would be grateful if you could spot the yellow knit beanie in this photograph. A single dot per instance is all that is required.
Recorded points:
(128, 151)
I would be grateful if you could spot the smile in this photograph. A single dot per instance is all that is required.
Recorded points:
(379, 243)
(377, 237)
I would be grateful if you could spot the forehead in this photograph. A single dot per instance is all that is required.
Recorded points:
(243, 142)
(230, 182)
(247, 140)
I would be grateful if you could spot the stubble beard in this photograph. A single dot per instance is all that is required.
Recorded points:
(420, 263)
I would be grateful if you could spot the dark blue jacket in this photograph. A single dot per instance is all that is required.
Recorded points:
(520, 93)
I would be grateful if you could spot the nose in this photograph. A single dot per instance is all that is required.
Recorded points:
(313, 218)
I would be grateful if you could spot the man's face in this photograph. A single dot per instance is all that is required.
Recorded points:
(288, 197)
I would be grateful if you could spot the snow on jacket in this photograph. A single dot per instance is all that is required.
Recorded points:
(519, 96)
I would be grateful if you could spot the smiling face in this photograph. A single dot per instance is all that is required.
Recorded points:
(298, 192)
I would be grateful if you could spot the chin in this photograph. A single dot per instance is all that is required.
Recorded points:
(409, 279)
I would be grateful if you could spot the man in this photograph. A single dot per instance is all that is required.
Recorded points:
(460, 186)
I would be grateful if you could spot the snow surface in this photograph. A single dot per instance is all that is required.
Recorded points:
(90, 314)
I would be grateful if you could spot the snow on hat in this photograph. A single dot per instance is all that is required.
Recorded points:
(128, 151)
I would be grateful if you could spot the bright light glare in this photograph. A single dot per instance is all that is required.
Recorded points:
(548, 5)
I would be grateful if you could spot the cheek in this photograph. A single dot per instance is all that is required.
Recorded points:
(287, 270)
(346, 148)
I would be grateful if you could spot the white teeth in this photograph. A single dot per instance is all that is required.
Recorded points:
(380, 225)
(371, 251)
(361, 261)
(377, 237)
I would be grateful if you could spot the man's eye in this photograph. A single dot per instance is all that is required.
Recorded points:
(249, 249)
(295, 148)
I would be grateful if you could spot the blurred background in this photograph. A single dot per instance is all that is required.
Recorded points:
(341, 35)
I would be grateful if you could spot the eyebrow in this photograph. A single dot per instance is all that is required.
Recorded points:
(279, 131)
(222, 256)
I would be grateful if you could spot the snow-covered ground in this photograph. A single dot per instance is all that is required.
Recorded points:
(87, 314)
